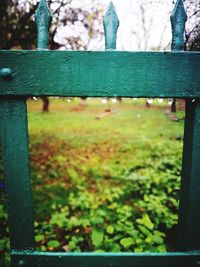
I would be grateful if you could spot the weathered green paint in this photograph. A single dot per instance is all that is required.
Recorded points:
(189, 216)
(105, 73)
(106, 259)
(189, 210)
(178, 19)
(14, 139)
(43, 18)
(111, 24)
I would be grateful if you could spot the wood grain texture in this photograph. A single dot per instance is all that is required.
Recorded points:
(14, 140)
(105, 259)
(106, 73)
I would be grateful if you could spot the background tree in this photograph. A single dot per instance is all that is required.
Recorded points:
(18, 29)
(76, 24)
(192, 35)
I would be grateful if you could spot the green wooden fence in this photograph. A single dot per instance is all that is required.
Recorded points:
(108, 73)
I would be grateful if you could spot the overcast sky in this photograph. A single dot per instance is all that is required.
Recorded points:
(157, 18)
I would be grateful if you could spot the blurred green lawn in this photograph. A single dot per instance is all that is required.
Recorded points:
(104, 185)
(135, 151)
(130, 120)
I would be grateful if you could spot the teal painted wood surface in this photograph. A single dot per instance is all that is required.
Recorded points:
(14, 139)
(43, 18)
(106, 73)
(178, 19)
(111, 24)
(106, 259)
(189, 210)
(189, 215)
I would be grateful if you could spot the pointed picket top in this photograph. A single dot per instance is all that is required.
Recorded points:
(43, 18)
(178, 19)
(111, 24)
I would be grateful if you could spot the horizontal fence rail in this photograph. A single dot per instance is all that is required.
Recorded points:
(47, 259)
(106, 73)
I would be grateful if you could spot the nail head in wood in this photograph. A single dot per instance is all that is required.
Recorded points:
(6, 74)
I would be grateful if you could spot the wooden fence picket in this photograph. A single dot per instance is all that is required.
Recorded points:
(111, 24)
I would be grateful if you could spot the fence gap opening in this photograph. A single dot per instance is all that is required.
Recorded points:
(105, 173)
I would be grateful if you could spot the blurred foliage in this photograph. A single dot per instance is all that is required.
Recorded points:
(109, 208)
(103, 185)
(18, 28)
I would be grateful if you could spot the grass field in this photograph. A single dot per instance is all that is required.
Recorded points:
(107, 184)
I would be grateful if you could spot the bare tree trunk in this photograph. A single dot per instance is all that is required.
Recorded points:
(45, 107)
(173, 106)
(147, 104)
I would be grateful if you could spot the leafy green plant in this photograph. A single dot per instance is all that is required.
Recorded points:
(109, 185)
